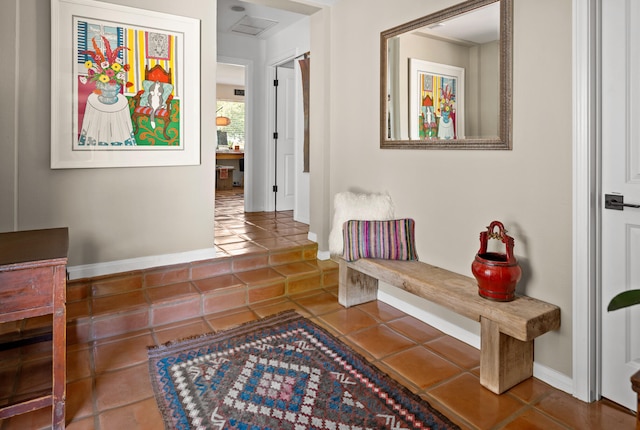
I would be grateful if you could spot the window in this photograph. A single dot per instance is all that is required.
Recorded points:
(235, 130)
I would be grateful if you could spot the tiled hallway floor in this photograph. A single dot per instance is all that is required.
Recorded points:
(109, 387)
(238, 233)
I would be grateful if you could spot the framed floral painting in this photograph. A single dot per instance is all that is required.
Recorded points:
(124, 86)
(436, 100)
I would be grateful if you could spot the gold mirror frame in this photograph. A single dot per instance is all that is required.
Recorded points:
(504, 138)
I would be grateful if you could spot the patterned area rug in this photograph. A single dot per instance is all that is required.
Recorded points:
(281, 372)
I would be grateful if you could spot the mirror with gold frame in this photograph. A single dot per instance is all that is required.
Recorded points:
(445, 79)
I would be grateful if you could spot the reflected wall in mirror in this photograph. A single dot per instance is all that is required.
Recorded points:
(445, 79)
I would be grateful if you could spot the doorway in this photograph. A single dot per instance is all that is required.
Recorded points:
(231, 133)
(620, 243)
(596, 22)
(291, 185)
(284, 137)
(260, 48)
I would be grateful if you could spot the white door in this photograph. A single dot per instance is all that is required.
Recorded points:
(621, 176)
(285, 146)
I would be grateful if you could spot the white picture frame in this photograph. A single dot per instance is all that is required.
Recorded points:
(89, 128)
(418, 70)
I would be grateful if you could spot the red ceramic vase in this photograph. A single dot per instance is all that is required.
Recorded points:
(497, 274)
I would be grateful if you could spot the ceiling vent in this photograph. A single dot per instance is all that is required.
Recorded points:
(252, 26)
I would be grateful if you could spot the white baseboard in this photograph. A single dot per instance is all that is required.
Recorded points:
(140, 263)
(302, 219)
(441, 324)
(552, 377)
(321, 255)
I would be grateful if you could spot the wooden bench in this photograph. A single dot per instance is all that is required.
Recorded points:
(507, 329)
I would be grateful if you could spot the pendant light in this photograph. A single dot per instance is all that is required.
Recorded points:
(222, 121)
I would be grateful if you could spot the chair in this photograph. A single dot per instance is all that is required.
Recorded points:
(143, 106)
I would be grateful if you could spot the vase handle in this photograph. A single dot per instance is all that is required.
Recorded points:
(501, 235)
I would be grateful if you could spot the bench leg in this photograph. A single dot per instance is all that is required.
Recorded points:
(504, 360)
(355, 287)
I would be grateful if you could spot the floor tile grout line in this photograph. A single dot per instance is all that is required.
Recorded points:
(448, 412)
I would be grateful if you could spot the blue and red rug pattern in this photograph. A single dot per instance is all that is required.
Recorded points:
(281, 372)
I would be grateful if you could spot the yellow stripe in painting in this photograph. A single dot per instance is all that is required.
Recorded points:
(141, 54)
(436, 91)
(172, 62)
(131, 59)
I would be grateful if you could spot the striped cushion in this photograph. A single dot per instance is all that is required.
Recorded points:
(389, 240)
(145, 110)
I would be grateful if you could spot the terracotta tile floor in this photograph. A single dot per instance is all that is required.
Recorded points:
(238, 233)
(109, 388)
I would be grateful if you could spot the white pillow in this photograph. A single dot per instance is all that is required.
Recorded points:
(357, 206)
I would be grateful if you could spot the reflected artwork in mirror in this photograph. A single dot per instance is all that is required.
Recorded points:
(445, 79)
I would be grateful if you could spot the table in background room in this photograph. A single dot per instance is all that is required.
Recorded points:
(234, 159)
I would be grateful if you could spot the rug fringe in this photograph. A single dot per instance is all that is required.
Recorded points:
(288, 314)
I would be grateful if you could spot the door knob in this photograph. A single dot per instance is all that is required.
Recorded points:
(616, 202)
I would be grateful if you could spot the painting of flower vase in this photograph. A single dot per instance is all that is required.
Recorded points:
(125, 86)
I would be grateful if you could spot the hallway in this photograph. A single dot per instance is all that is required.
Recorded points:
(266, 265)
(237, 232)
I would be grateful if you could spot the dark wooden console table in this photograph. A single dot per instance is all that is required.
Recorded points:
(33, 283)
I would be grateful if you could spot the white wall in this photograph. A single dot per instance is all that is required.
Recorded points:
(320, 125)
(453, 195)
(115, 213)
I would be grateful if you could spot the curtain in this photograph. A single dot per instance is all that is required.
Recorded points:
(304, 69)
